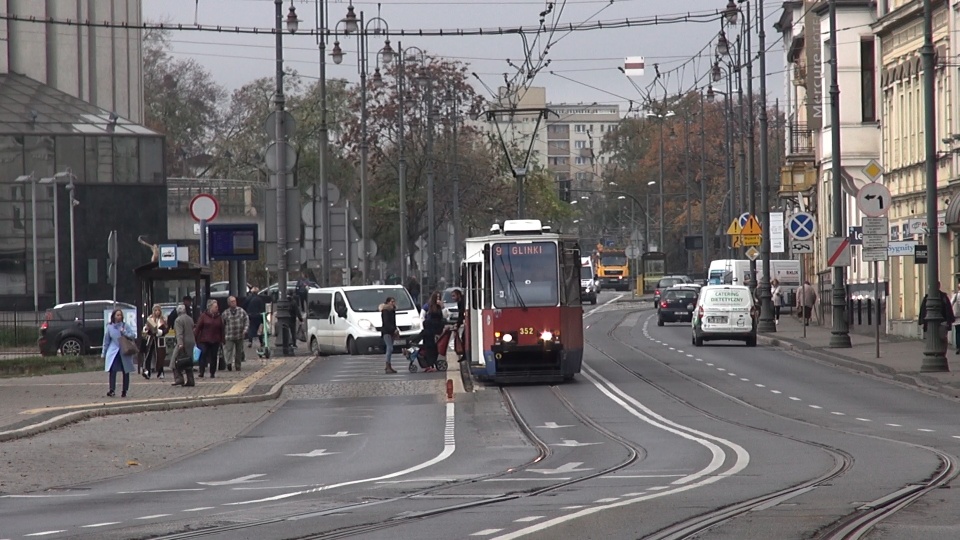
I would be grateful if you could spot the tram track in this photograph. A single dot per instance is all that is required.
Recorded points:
(851, 527)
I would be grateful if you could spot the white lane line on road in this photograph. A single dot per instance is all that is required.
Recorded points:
(732, 374)
(603, 305)
(45, 533)
(699, 359)
(956, 436)
(864, 419)
(606, 500)
(815, 407)
(703, 477)
(926, 430)
(161, 490)
(545, 478)
(837, 413)
(104, 524)
(449, 447)
(758, 385)
(574, 507)
(795, 399)
(721, 369)
(486, 532)
(614, 477)
(527, 519)
(689, 356)
(775, 392)
(894, 425)
(744, 379)
(265, 488)
(679, 351)
(200, 509)
(155, 516)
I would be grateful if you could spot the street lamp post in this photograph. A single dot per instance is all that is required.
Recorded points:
(33, 215)
(362, 29)
(767, 322)
(933, 350)
(840, 336)
(661, 117)
(325, 250)
(452, 104)
(728, 135)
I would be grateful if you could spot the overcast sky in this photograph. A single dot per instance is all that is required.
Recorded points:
(584, 64)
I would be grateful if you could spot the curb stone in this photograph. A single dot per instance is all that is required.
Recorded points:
(168, 405)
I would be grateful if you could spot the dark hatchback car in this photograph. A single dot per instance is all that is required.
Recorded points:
(677, 304)
(75, 328)
(665, 283)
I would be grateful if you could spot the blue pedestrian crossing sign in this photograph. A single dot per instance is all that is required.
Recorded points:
(801, 226)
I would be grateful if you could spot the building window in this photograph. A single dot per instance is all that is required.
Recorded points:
(580, 144)
(580, 161)
(868, 68)
(579, 128)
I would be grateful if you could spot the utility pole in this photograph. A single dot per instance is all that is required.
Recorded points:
(840, 336)
(402, 165)
(767, 322)
(751, 141)
(431, 211)
(934, 358)
(703, 182)
(325, 251)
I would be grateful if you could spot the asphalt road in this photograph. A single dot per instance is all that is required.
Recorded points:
(655, 437)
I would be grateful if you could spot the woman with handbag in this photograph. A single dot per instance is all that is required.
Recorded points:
(388, 328)
(153, 330)
(119, 350)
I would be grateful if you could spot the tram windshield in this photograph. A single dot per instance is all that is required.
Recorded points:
(525, 274)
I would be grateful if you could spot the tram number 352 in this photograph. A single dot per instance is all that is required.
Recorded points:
(526, 331)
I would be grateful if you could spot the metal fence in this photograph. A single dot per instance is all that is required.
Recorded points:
(19, 330)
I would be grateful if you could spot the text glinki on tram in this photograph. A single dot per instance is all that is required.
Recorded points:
(524, 318)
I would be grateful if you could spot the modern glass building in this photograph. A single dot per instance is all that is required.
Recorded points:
(56, 149)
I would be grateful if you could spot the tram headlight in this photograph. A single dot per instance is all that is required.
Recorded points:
(507, 338)
(546, 335)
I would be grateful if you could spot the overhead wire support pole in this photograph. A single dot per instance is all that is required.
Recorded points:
(766, 322)
(934, 349)
(402, 163)
(325, 249)
(751, 139)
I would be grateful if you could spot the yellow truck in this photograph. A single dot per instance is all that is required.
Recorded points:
(613, 268)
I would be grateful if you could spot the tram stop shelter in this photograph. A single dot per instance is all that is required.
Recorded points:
(166, 286)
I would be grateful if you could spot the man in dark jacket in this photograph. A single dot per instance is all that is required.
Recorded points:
(255, 307)
(188, 305)
(388, 329)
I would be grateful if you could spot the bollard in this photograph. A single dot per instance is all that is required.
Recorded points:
(869, 312)
(449, 388)
(859, 311)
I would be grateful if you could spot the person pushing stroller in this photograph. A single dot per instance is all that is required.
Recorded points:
(434, 318)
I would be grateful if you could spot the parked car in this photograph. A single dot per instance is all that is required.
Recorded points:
(270, 293)
(667, 282)
(75, 328)
(450, 303)
(725, 312)
(676, 304)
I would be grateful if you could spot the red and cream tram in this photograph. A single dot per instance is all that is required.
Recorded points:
(524, 319)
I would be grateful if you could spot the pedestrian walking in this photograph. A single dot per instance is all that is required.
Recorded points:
(955, 305)
(235, 324)
(458, 325)
(777, 294)
(433, 322)
(388, 329)
(946, 315)
(183, 354)
(209, 336)
(119, 349)
(255, 307)
(188, 305)
(154, 328)
(806, 299)
(413, 287)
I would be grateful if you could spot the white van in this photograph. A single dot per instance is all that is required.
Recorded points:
(589, 284)
(737, 272)
(725, 312)
(347, 319)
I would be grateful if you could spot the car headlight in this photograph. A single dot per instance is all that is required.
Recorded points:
(365, 324)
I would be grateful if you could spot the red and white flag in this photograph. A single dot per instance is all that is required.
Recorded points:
(633, 66)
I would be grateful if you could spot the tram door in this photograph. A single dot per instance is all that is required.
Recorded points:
(472, 338)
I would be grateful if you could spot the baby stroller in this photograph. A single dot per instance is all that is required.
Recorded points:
(417, 355)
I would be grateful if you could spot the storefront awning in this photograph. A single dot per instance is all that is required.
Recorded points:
(952, 219)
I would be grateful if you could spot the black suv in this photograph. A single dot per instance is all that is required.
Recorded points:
(75, 328)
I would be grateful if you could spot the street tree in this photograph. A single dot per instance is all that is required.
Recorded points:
(181, 100)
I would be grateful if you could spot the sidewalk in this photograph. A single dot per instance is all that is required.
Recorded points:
(30, 405)
(900, 358)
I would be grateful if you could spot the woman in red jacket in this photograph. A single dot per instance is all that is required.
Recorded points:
(209, 336)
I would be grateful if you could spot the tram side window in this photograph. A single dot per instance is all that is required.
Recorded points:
(570, 278)
(475, 282)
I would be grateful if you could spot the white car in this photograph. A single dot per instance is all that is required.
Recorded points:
(725, 312)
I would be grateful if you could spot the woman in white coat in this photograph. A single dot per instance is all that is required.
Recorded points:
(777, 294)
(114, 359)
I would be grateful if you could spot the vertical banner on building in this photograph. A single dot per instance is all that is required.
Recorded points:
(813, 46)
(777, 244)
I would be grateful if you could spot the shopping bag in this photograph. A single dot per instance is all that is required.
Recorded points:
(196, 354)
(443, 342)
